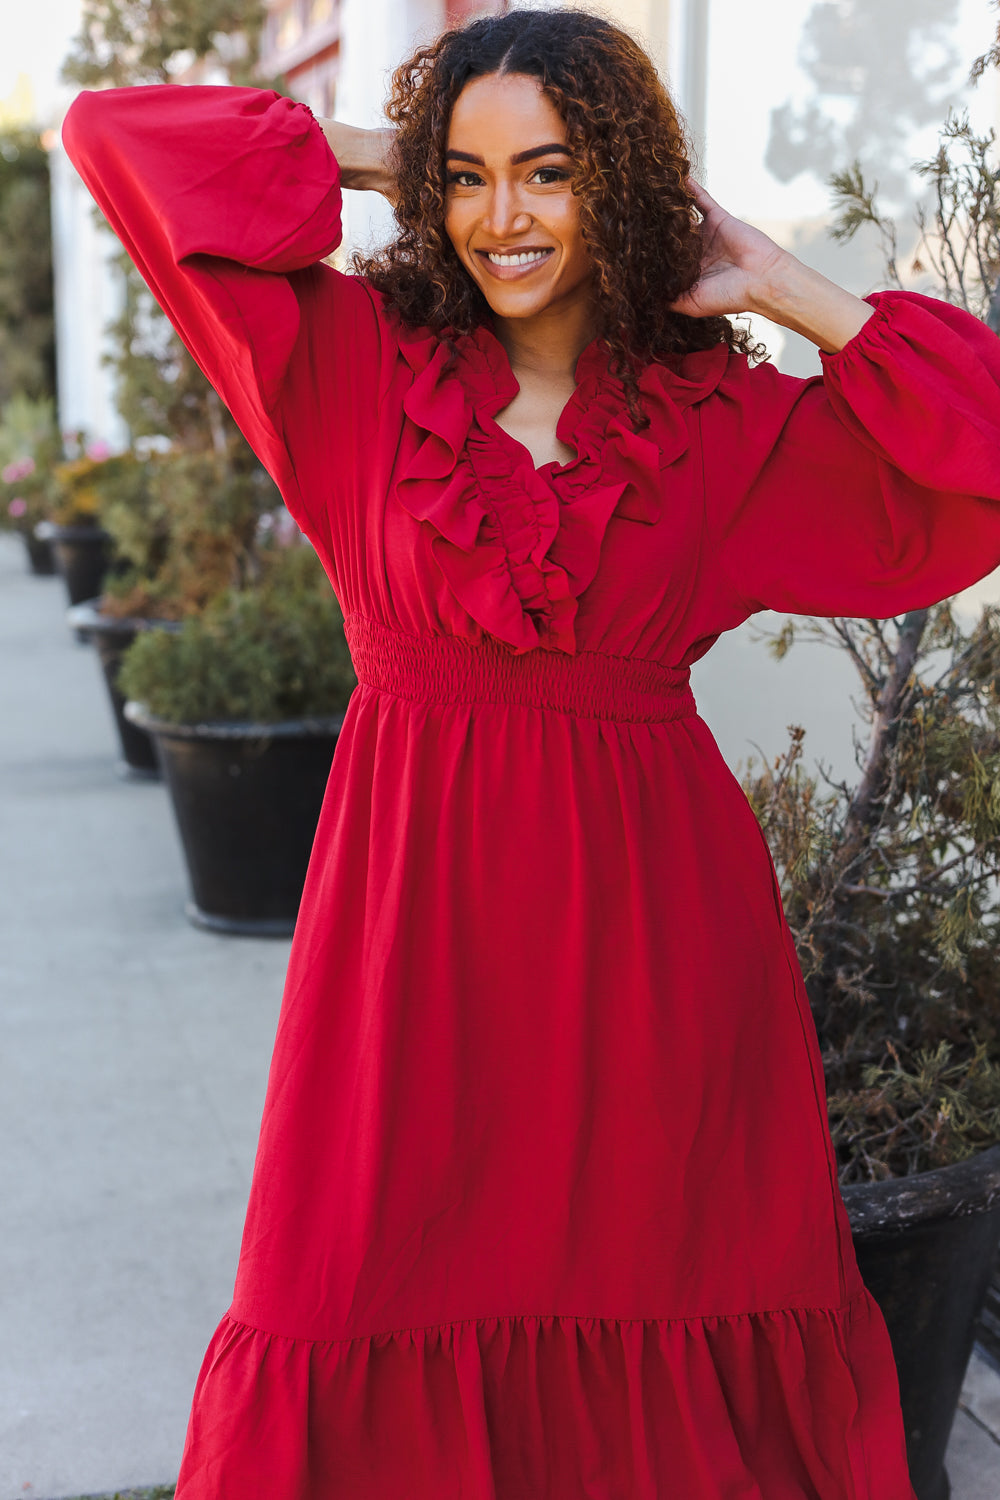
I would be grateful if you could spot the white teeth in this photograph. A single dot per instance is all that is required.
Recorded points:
(518, 260)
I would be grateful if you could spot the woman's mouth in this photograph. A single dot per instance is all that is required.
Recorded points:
(515, 265)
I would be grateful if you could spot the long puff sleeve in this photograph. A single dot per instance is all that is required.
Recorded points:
(227, 199)
(870, 489)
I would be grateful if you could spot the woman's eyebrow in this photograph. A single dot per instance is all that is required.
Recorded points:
(516, 160)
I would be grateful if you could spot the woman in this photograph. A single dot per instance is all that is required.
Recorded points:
(545, 1202)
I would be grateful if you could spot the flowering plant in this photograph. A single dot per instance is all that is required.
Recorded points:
(24, 492)
(82, 484)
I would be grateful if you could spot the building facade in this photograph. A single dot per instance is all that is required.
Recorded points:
(301, 42)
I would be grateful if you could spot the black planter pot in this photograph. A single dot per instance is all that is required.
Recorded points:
(247, 799)
(988, 1327)
(112, 639)
(926, 1246)
(83, 554)
(41, 558)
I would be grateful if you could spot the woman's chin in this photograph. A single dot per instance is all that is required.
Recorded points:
(505, 303)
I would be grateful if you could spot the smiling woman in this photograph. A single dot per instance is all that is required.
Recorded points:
(612, 208)
(515, 227)
(545, 1202)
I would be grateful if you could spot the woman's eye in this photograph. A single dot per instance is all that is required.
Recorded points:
(545, 176)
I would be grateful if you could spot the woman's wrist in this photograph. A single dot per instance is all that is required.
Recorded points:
(799, 298)
(361, 156)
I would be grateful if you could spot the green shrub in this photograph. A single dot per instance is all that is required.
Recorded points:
(273, 652)
(891, 888)
(184, 530)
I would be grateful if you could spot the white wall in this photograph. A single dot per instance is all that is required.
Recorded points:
(375, 37)
(87, 297)
(746, 697)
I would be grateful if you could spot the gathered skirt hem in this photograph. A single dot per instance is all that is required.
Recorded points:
(793, 1404)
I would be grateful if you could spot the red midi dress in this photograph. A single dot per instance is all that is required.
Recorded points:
(545, 1205)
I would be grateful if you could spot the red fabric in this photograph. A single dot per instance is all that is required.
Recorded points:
(545, 1203)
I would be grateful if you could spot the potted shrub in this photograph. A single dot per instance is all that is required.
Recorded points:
(29, 449)
(73, 526)
(24, 510)
(182, 528)
(135, 528)
(890, 888)
(886, 887)
(187, 533)
(245, 702)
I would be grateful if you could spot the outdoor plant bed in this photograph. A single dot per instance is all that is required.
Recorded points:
(244, 702)
(926, 1246)
(29, 450)
(112, 638)
(246, 798)
(889, 888)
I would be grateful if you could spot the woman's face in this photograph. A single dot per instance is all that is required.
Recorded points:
(508, 195)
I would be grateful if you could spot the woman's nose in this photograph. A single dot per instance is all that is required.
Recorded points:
(506, 213)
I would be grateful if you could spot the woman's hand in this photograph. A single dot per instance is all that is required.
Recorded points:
(381, 142)
(744, 271)
(737, 263)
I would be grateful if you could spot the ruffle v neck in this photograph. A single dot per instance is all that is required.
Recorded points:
(517, 545)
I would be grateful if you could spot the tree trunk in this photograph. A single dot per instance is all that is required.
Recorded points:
(883, 733)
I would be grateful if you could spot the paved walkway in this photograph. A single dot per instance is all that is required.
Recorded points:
(133, 1059)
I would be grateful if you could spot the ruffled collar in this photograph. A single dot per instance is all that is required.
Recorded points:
(518, 545)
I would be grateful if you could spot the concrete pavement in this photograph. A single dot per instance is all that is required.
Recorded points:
(133, 1060)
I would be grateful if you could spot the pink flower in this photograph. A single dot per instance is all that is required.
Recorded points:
(98, 450)
(17, 508)
(19, 469)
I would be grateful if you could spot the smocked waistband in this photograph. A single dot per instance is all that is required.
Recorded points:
(445, 669)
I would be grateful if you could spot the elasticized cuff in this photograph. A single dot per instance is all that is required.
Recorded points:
(869, 334)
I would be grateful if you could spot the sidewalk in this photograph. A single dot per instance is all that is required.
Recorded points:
(133, 1059)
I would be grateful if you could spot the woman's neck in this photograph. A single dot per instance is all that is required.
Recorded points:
(546, 349)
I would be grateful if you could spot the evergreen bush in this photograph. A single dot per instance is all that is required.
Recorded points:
(185, 531)
(27, 318)
(273, 652)
(890, 885)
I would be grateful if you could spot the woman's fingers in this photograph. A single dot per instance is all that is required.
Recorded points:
(704, 200)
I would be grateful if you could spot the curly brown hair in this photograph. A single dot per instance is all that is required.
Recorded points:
(631, 162)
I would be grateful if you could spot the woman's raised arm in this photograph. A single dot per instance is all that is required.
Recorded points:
(227, 200)
(362, 156)
(871, 489)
